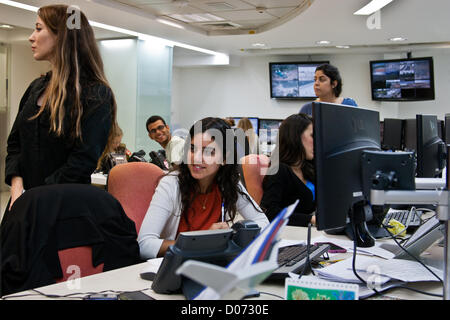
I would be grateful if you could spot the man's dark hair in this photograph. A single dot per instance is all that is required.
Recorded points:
(154, 119)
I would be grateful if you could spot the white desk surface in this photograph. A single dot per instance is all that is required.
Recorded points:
(128, 279)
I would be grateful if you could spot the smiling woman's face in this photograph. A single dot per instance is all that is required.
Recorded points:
(204, 157)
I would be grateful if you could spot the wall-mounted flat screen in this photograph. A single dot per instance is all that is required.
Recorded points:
(293, 80)
(402, 79)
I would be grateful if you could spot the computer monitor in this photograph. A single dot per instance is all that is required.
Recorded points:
(253, 120)
(447, 128)
(441, 129)
(392, 134)
(268, 133)
(430, 147)
(381, 132)
(409, 135)
(341, 134)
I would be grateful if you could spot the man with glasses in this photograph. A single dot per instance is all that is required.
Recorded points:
(159, 131)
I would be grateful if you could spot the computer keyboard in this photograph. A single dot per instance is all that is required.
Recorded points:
(409, 218)
(293, 259)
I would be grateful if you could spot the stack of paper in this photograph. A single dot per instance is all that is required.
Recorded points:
(378, 273)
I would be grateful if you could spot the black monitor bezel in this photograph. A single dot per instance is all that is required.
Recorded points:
(387, 134)
(317, 63)
(446, 132)
(323, 219)
(423, 149)
(432, 87)
(255, 129)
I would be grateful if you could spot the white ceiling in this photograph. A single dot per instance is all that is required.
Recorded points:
(223, 17)
(423, 23)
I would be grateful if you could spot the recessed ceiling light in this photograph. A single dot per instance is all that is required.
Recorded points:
(397, 39)
(323, 42)
(372, 7)
(258, 45)
(343, 47)
(6, 26)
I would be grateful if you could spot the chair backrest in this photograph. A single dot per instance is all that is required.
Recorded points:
(64, 231)
(254, 168)
(77, 262)
(134, 184)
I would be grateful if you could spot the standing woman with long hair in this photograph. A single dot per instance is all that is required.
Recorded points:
(64, 117)
(193, 196)
(292, 177)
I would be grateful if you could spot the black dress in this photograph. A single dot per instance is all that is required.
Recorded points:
(39, 156)
(283, 189)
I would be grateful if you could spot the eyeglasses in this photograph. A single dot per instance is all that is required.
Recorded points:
(159, 128)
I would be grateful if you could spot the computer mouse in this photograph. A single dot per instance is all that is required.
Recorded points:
(150, 276)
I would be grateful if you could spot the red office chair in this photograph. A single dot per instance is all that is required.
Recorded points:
(61, 231)
(77, 262)
(133, 184)
(254, 168)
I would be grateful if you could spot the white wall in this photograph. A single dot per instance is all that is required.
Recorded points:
(244, 90)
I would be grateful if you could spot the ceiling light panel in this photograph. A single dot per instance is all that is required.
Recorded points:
(224, 5)
(372, 7)
(196, 17)
(220, 6)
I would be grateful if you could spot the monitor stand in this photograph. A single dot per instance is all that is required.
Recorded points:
(357, 229)
(359, 214)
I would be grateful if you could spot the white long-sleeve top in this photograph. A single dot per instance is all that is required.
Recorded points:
(163, 216)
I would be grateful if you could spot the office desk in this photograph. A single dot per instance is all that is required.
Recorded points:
(128, 279)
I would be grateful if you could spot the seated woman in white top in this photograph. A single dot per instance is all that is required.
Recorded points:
(191, 197)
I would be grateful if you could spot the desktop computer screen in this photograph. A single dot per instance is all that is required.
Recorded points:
(409, 135)
(341, 134)
(430, 147)
(254, 121)
(447, 128)
(392, 134)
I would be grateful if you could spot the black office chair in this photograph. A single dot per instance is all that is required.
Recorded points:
(48, 220)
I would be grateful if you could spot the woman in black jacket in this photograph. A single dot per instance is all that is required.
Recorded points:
(291, 174)
(64, 117)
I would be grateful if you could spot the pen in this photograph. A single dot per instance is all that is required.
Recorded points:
(223, 213)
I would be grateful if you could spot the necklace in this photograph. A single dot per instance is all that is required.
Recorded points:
(204, 203)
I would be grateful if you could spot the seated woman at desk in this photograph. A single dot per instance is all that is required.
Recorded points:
(113, 146)
(290, 178)
(191, 197)
(328, 88)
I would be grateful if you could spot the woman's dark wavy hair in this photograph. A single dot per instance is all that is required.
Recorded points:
(227, 178)
(333, 73)
(291, 150)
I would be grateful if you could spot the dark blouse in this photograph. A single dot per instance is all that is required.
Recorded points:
(39, 156)
(283, 189)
